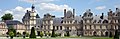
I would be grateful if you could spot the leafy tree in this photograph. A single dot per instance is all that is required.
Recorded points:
(58, 34)
(68, 33)
(110, 35)
(7, 33)
(24, 34)
(41, 34)
(7, 16)
(27, 34)
(116, 36)
(32, 35)
(11, 29)
(53, 33)
(18, 34)
(11, 34)
(50, 34)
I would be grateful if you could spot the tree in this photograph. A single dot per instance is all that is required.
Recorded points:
(24, 34)
(32, 34)
(41, 34)
(110, 35)
(7, 33)
(68, 33)
(11, 29)
(53, 32)
(116, 36)
(18, 34)
(7, 16)
(11, 34)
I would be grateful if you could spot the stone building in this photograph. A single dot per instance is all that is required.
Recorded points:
(45, 25)
(17, 25)
(29, 19)
(86, 25)
(3, 28)
(99, 25)
(67, 24)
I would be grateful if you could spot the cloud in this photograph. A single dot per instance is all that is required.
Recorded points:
(53, 7)
(100, 7)
(18, 12)
(8, 11)
(37, 1)
(117, 6)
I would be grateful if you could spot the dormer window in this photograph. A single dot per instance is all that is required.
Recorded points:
(62, 21)
(99, 21)
(88, 15)
(105, 21)
(94, 21)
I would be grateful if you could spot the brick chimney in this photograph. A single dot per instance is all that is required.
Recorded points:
(64, 12)
(73, 13)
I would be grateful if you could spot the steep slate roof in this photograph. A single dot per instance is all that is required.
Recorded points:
(39, 21)
(37, 16)
(26, 16)
(97, 18)
(13, 22)
(57, 21)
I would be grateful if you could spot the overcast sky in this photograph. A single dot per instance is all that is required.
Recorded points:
(55, 7)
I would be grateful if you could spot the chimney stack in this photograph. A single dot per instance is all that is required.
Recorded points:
(102, 16)
(64, 12)
(110, 10)
(116, 8)
(73, 13)
(27, 11)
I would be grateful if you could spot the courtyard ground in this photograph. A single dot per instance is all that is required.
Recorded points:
(60, 38)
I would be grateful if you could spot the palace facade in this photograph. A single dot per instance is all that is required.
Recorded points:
(86, 25)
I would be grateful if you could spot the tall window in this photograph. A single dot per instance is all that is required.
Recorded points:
(53, 27)
(94, 21)
(67, 28)
(115, 26)
(60, 27)
(90, 26)
(57, 27)
(99, 21)
(70, 21)
(48, 27)
(100, 26)
(85, 21)
(94, 27)
(106, 27)
(44, 27)
(85, 26)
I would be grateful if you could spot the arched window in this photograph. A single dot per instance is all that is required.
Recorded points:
(62, 21)
(105, 21)
(94, 21)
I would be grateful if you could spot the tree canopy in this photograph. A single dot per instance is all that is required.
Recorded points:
(7, 16)
(33, 35)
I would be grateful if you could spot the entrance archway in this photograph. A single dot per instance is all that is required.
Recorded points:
(106, 33)
(94, 33)
(38, 33)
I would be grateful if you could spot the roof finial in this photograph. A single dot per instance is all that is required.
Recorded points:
(33, 7)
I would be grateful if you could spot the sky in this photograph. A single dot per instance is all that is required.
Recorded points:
(55, 7)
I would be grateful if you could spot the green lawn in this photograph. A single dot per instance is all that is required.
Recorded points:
(72, 38)
(60, 38)
(102, 38)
